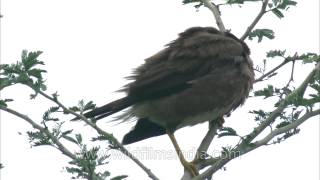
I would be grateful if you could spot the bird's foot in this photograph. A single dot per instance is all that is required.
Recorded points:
(190, 167)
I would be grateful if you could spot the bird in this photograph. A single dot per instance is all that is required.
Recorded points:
(201, 76)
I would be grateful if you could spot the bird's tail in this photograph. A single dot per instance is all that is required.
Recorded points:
(144, 129)
(108, 109)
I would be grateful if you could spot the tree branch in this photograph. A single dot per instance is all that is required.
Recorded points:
(245, 146)
(284, 62)
(54, 139)
(282, 105)
(261, 78)
(214, 9)
(206, 141)
(110, 137)
(287, 128)
(256, 20)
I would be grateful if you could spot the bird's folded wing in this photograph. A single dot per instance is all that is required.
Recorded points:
(171, 70)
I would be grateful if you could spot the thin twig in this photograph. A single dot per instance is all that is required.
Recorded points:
(286, 128)
(102, 132)
(214, 9)
(256, 20)
(291, 75)
(261, 78)
(284, 62)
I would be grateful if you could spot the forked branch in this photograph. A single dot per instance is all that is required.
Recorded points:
(256, 20)
(216, 13)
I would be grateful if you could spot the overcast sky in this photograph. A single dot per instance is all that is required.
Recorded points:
(90, 46)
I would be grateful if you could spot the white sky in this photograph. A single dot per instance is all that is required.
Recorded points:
(89, 46)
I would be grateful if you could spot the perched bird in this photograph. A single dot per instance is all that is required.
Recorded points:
(201, 76)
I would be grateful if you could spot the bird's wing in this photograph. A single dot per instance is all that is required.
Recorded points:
(172, 69)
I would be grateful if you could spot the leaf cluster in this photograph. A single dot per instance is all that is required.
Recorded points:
(23, 72)
(261, 33)
(278, 6)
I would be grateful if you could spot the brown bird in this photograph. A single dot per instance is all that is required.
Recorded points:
(201, 76)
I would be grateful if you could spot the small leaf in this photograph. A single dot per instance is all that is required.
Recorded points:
(36, 73)
(227, 131)
(89, 106)
(67, 132)
(260, 33)
(4, 82)
(79, 138)
(267, 92)
(119, 177)
(278, 13)
(71, 139)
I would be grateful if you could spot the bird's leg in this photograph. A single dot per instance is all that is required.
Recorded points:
(189, 166)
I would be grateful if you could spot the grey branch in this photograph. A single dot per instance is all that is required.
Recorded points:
(245, 146)
(206, 141)
(299, 91)
(202, 149)
(286, 128)
(54, 139)
(104, 133)
(286, 60)
(256, 20)
(214, 9)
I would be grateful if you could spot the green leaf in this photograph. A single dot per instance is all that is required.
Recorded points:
(227, 131)
(286, 3)
(71, 139)
(198, 5)
(260, 33)
(190, 1)
(90, 105)
(267, 92)
(30, 60)
(74, 109)
(79, 138)
(282, 124)
(38, 138)
(3, 102)
(67, 132)
(278, 13)
(119, 177)
(276, 53)
(310, 58)
(36, 73)
(5, 82)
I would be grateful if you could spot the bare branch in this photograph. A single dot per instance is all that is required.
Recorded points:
(256, 20)
(216, 13)
(261, 78)
(102, 132)
(286, 60)
(202, 149)
(206, 141)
